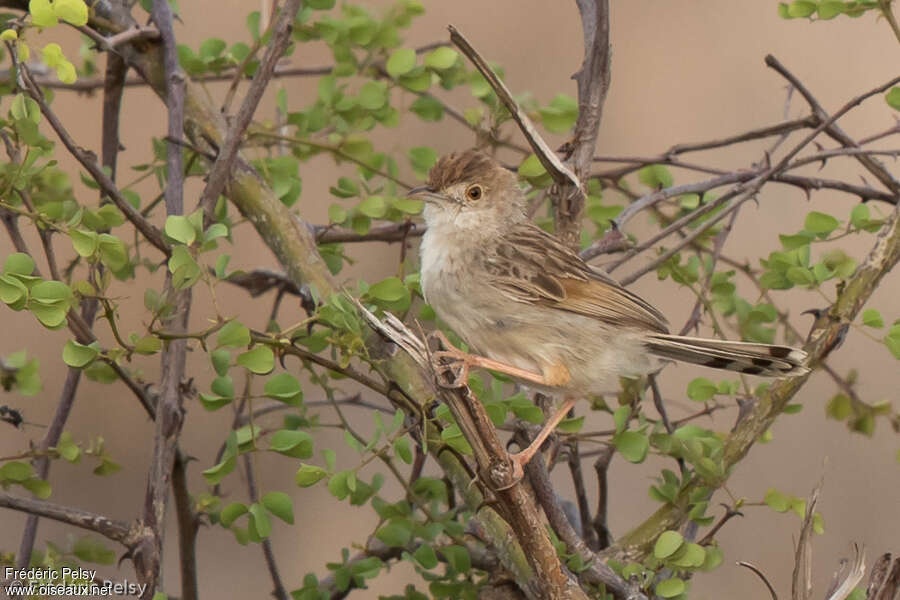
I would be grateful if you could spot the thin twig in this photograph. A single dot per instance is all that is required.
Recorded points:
(218, 173)
(555, 167)
(117, 531)
(89, 162)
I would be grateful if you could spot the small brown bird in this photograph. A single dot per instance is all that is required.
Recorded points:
(533, 309)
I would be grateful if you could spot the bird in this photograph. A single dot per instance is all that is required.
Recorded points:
(528, 306)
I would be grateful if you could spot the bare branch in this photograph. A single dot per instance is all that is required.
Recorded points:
(169, 409)
(833, 130)
(597, 572)
(117, 531)
(555, 167)
(593, 83)
(218, 173)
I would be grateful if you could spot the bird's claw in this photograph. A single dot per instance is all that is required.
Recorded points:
(452, 368)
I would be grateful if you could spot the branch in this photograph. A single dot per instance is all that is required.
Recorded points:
(597, 572)
(883, 256)
(218, 174)
(117, 531)
(89, 162)
(555, 167)
(754, 134)
(494, 467)
(278, 591)
(873, 165)
(169, 409)
(397, 232)
(593, 84)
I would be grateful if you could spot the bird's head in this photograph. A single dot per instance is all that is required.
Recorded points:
(470, 189)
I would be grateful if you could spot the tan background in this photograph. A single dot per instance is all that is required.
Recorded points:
(682, 71)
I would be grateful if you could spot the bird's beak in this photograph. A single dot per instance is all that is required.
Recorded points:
(426, 194)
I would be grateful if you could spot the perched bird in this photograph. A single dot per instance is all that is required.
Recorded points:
(532, 308)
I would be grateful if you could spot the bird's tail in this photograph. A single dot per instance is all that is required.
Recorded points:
(746, 357)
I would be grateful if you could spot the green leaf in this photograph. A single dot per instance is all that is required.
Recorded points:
(427, 108)
(829, 9)
(391, 289)
(422, 158)
(71, 11)
(620, 418)
(259, 360)
(572, 425)
(373, 206)
(401, 448)
(15, 471)
(18, 263)
(713, 558)
(457, 558)
(42, 13)
(441, 58)
(893, 98)
(777, 501)
(401, 62)
(233, 334)
(290, 442)
(892, 341)
(149, 344)
(531, 167)
(279, 504)
(77, 356)
(872, 318)
(337, 213)
(373, 95)
(701, 389)
(656, 176)
(211, 48)
(231, 512)
(801, 8)
(560, 115)
(426, 556)
(285, 388)
(691, 557)
(632, 445)
(180, 229)
(667, 544)
(396, 533)
(39, 487)
(820, 223)
(260, 524)
(410, 206)
(669, 588)
(308, 475)
(417, 80)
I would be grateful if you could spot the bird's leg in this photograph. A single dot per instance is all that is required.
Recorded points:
(520, 459)
(473, 360)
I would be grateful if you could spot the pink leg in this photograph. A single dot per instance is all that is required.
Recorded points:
(472, 360)
(521, 459)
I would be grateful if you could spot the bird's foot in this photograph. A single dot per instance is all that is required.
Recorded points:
(450, 364)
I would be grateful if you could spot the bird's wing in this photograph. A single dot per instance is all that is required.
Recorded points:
(530, 265)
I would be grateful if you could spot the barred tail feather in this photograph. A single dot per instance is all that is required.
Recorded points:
(746, 357)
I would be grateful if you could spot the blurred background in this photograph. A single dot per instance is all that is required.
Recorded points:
(681, 72)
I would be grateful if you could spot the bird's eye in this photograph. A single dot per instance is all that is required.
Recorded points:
(473, 192)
